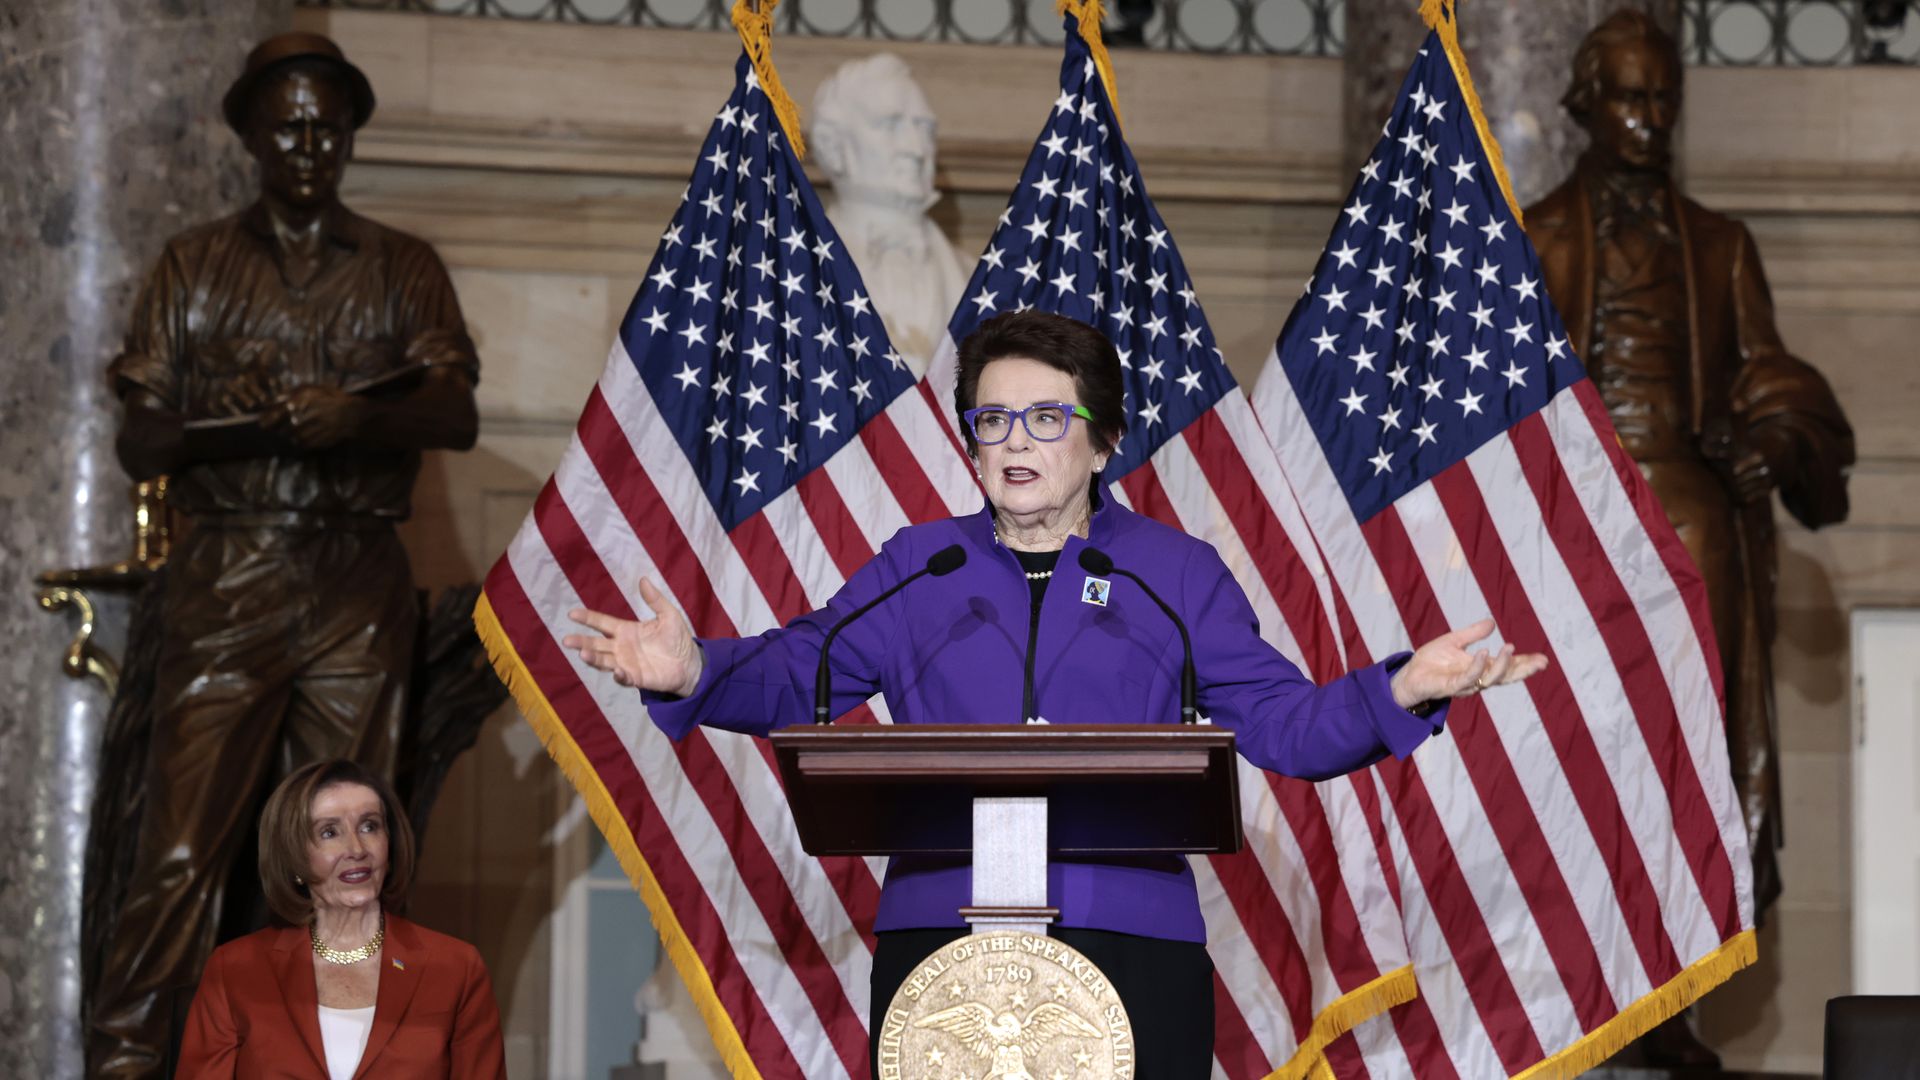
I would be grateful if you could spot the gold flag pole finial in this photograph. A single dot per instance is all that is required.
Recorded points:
(754, 21)
(1090, 12)
(1439, 15)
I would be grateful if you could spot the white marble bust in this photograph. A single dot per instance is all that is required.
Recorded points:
(873, 135)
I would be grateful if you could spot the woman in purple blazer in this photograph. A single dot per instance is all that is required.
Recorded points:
(996, 641)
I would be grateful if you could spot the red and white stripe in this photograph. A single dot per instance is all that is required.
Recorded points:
(1574, 843)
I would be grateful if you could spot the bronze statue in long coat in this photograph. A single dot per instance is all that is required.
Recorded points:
(1668, 306)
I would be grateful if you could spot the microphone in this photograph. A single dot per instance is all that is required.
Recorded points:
(939, 564)
(1099, 563)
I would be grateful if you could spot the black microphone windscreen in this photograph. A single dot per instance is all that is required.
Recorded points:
(1095, 561)
(947, 560)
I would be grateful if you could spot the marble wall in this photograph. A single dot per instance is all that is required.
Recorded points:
(110, 141)
(543, 160)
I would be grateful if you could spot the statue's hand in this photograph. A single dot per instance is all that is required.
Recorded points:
(318, 417)
(248, 392)
(1753, 476)
(1445, 667)
(1758, 461)
(657, 654)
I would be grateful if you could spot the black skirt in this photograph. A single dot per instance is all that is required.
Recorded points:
(1167, 987)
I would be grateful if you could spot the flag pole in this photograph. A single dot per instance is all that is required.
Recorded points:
(753, 19)
(1440, 17)
(1090, 12)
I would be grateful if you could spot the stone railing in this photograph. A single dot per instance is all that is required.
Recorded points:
(1715, 32)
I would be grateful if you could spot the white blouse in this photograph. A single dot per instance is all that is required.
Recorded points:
(343, 1033)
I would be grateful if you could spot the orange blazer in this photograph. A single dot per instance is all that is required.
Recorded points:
(257, 1014)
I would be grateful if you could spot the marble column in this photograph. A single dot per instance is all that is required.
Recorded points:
(110, 141)
(1520, 53)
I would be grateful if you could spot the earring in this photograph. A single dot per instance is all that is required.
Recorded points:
(298, 880)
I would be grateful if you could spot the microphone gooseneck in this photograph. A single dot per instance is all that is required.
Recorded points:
(939, 564)
(1095, 561)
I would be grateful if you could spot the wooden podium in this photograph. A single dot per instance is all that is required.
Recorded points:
(1011, 795)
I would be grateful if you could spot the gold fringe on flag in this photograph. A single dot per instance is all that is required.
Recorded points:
(754, 20)
(1090, 12)
(1644, 1015)
(1397, 988)
(1439, 16)
(1341, 1015)
(613, 825)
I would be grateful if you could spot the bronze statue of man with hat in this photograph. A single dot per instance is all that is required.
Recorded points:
(284, 368)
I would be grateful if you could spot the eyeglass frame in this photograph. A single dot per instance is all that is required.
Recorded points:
(1066, 425)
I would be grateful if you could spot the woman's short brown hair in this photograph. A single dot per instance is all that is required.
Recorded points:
(1060, 343)
(286, 827)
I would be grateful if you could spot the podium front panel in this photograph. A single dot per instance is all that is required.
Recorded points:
(1112, 789)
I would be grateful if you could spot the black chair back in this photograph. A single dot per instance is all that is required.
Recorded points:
(1873, 1038)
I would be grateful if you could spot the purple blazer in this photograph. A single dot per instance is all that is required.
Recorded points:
(953, 649)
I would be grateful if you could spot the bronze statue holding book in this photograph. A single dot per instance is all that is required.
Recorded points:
(285, 367)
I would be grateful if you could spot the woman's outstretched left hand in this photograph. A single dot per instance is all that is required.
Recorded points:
(1447, 667)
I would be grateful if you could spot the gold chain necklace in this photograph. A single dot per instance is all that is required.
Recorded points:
(347, 956)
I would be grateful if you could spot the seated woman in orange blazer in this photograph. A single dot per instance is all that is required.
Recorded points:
(346, 990)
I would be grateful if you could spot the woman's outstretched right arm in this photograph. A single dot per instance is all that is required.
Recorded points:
(657, 654)
(751, 685)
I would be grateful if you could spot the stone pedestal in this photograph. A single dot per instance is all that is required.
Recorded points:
(110, 141)
(1521, 55)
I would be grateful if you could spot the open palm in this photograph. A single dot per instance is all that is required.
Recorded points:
(657, 654)
(1448, 667)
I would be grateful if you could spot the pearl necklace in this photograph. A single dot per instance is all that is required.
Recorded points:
(1039, 575)
(348, 956)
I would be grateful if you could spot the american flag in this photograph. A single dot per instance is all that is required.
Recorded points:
(752, 441)
(1302, 926)
(1571, 863)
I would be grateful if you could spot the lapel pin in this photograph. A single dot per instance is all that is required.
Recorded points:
(1095, 591)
